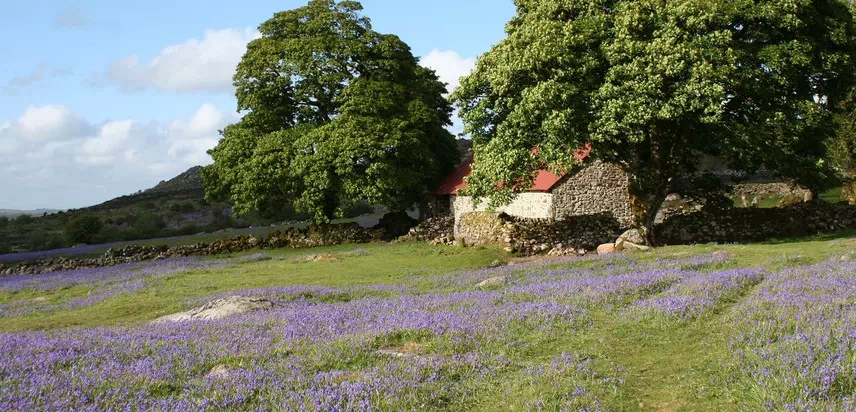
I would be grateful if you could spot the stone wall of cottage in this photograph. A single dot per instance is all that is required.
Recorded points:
(602, 188)
(530, 205)
(527, 237)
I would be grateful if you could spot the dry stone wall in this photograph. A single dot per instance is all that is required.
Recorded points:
(482, 228)
(436, 230)
(312, 236)
(778, 189)
(529, 237)
(751, 225)
(600, 188)
(577, 234)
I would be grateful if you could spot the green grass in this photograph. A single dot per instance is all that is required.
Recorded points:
(666, 366)
(381, 264)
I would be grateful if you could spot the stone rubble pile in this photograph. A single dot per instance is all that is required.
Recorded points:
(436, 231)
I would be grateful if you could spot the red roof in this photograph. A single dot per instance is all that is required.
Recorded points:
(544, 182)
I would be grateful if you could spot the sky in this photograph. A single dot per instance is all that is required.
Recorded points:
(101, 98)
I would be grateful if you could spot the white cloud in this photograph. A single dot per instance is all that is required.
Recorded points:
(194, 65)
(449, 65)
(205, 121)
(110, 141)
(111, 159)
(51, 122)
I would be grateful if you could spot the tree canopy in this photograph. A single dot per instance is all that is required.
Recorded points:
(335, 114)
(654, 85)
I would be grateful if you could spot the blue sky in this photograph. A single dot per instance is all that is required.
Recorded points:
(103, 98)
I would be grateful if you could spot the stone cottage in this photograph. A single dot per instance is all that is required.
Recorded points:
(598, 189)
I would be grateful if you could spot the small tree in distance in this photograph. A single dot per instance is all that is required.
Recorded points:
(653, 86)
(83, 230)
(336, 114)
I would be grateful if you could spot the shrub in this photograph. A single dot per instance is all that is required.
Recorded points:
(83, 229)
(23, 220)
(148, 225)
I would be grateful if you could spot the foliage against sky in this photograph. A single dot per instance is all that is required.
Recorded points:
(653, 85)
(100, 99)
(337, 113)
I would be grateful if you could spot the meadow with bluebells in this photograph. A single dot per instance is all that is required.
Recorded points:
(405, 327)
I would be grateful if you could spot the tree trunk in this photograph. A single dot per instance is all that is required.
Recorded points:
(651, 170)
(330, 206)
(848, 192)
(645, 203)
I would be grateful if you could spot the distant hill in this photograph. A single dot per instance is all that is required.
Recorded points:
(172, 208)
(189, 181)
(184, 187)
(11, 213)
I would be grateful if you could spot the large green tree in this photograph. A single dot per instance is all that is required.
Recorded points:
(653, 85)
(335, 114)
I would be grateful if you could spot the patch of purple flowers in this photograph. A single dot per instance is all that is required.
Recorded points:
(104, 282)
(795, 345)
(312, 353)
(698, 293)
(569, 382)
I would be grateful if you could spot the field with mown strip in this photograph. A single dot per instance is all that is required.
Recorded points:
(406, 326)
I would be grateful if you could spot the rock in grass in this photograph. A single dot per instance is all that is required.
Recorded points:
(633, 236)
(493, 282)
(634, 246)
(606, 248)
(256, 257)
(219, 372)
(219, 309)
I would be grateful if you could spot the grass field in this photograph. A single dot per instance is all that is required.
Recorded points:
(404, 326)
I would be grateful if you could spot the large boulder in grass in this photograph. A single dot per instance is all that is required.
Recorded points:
(220, 309)
(606, 249)
(493, 282)
(632, 239)
(635, 236)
